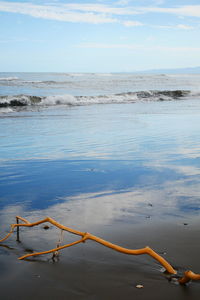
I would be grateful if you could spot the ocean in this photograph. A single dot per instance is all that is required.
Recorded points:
(40, 89)
(113, 154)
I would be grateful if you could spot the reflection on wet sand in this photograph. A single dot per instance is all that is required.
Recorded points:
(126, 212)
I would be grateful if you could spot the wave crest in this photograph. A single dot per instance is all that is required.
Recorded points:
(130, 97)
(19, 100)
(8, 78)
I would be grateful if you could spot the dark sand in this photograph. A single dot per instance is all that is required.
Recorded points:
(92, 271)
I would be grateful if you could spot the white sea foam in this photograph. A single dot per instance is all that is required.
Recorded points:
(194, 94)
(56, 100)
(88, 100)
(75, 74)
(70, 100)
(104, 74)
(22, 100)
(8, 78)
(130, 97)
(6, 110)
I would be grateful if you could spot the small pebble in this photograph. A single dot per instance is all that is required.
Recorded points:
(29, 250)
(46, 227)
(163, 253)
(139, 286)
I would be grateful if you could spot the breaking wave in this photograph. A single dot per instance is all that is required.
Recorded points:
(8, 78)
(6, 110)
(130, 97)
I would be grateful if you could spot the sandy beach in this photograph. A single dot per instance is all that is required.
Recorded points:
(91, 271)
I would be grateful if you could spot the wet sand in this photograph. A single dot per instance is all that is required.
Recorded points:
(92, 271)
(125, 202)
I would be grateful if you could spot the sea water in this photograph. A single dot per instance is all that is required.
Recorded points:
(116, 144)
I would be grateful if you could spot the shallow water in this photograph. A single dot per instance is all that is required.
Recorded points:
(118, 131)
(151, 147)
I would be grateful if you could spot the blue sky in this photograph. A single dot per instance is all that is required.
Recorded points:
(99, 36)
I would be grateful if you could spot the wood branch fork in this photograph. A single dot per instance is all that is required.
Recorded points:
(188, 275)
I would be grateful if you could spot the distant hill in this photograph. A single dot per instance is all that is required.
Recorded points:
(195, 70)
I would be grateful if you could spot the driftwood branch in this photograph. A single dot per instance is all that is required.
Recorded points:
(188, 275)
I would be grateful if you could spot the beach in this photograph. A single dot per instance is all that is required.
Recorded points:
(121, 163)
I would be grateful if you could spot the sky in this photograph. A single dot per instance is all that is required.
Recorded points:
(98, 36)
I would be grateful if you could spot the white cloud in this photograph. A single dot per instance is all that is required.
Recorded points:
(122, 2)
(179, 26)
(53, 12)
(109, 46)
(132, 23)
(159, 2)
(139, 47)
(96, 13)
(177, 49)
(101, 8)
(185, 27)
(185, 10)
